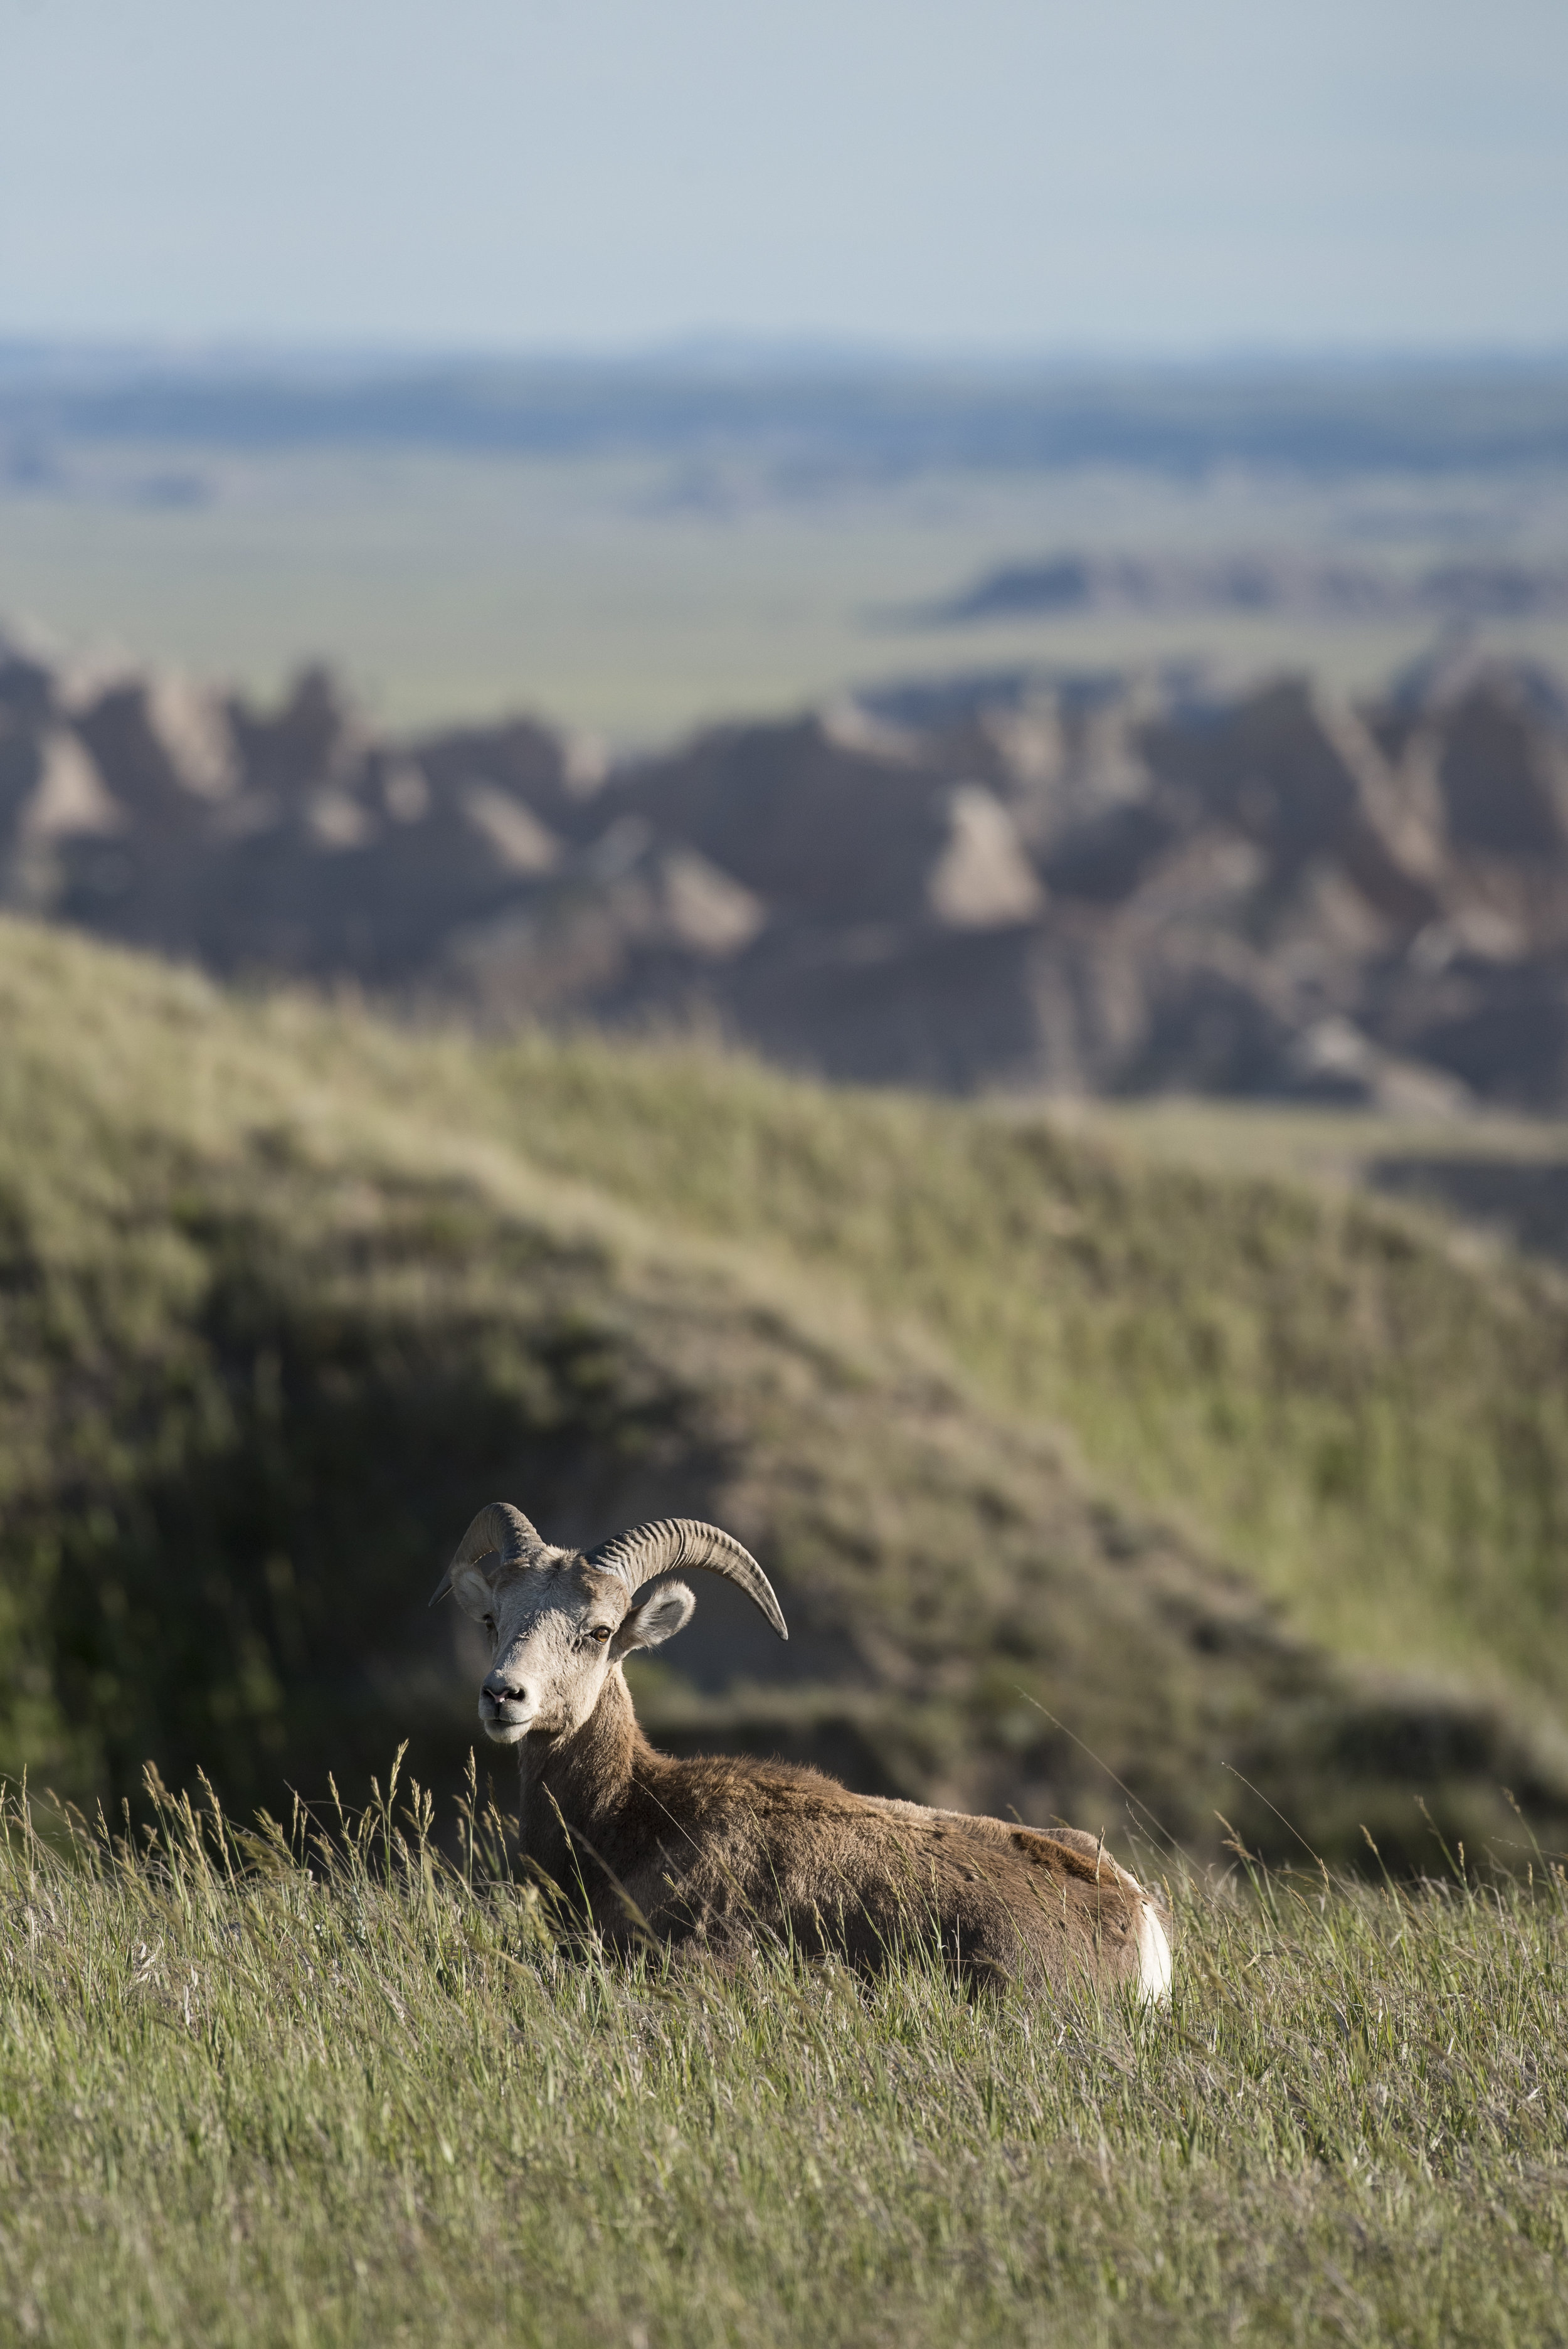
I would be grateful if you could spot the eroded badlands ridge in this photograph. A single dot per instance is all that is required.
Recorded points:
(1107, 883)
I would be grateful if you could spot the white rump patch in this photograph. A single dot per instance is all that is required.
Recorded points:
(1153, 1958)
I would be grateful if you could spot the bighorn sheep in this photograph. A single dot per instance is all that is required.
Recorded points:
(706, 1853)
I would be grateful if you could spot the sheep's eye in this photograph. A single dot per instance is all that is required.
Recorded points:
(601, 1632)
(490, 1625)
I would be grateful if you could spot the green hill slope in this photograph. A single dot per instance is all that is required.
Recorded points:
(1206, 1468)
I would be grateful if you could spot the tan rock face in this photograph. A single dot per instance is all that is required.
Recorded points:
(983, 879)
(194, 730)
(520, 842)
(707, 912)
(70, 798)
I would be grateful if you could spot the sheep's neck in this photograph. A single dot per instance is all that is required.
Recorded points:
(577, 1784)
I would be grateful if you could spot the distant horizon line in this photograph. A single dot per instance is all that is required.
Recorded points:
(721, 352)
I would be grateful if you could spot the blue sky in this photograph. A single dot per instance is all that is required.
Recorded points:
(1160, 176)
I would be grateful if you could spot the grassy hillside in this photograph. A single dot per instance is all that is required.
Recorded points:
(1214, 1471)
(1370, 1420)
(370, 2104)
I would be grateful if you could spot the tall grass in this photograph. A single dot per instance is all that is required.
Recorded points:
(316, 2084)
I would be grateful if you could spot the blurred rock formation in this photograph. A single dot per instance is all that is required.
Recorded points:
(1107, 884)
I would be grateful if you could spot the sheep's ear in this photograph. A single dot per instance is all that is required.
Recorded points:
(665, 1611)
(472, 1593)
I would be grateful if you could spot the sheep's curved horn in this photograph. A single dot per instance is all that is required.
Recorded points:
(672, 1544)
(497, 1526)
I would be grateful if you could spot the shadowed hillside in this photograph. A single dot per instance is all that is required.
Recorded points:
(1214, 1472)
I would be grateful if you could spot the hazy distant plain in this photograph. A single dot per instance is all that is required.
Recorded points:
(638, 596)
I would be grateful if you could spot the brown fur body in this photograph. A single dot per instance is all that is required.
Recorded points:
(708, 1855)
(705, 1854)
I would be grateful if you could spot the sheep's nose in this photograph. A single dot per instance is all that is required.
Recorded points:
(505, 1688)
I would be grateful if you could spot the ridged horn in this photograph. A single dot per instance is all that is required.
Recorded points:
(673, 1543)
(497, 1526)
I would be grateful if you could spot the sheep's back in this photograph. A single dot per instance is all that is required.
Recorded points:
(781, 1849)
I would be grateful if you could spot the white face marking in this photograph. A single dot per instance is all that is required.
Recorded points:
(557, 1629)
